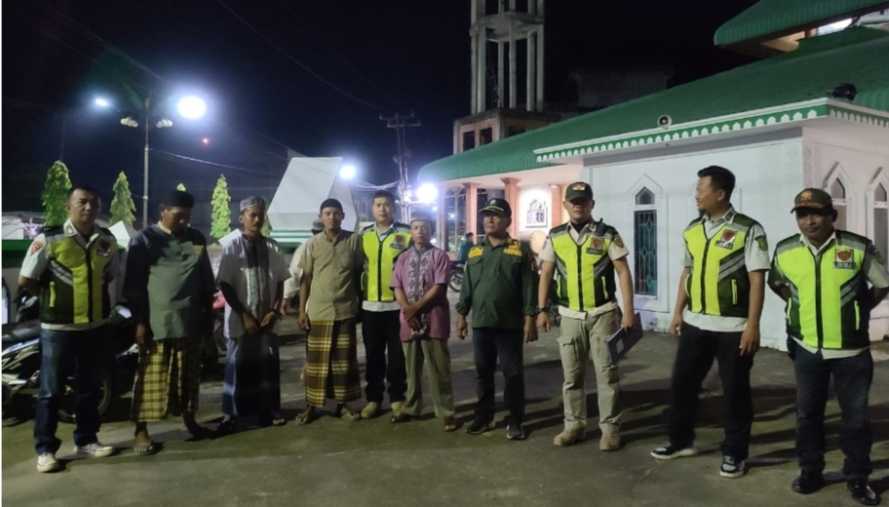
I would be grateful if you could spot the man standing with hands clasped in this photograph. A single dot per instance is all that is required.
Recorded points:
(830, 279)
(587, 255)
(718, 306)
(500, 289)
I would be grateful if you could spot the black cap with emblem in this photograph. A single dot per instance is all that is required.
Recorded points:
(498, 206)
(579, 190)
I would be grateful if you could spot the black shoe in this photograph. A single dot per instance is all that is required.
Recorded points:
(669, 451)
(479, 426)
(862, 492)
(732, 467)
(228, 426)
(808, 482)
(515, 432)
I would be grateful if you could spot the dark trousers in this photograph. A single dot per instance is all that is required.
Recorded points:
(380, 331)
(852, 378)
(62, 352)
(252, 383)
(488, 345)
(697, 349)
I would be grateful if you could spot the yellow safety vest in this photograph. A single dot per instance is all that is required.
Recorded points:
(586, 274)
(73, 287)
(717, 282)
(828, 306)
(380, 256)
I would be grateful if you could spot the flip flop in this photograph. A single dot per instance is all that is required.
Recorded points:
(145, 450)
(306, 417)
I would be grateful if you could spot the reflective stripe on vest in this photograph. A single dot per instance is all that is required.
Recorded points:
(585, 270)
(74, 289)
(381, 260)
(717, 283)
(827, 308)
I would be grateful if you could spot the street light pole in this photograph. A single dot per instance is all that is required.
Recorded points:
(145, 172)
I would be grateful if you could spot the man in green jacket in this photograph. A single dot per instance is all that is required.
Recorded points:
(500, 289)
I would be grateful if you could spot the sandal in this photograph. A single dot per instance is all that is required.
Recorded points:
(450, 424)
(308, 416)
(400, 417)
(145, 450)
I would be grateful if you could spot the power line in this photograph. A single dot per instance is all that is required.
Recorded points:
(298, 63)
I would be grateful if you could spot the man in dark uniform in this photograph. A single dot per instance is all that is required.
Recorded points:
(500, 289)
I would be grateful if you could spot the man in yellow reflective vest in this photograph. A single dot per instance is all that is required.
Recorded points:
(830, 280)
(69, 267)
(718, 307)
(588, 255)
(381, 243)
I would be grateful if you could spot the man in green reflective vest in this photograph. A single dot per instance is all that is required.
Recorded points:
(588, 256)
(381, 243)
(69, 267)
(830, 280)
(718, 307)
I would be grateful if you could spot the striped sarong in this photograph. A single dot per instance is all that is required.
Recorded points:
(168, 380)
(332, 362)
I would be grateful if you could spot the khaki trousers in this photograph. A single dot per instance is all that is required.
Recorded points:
(438, 372)
(580, 340)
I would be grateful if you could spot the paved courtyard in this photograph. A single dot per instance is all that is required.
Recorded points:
(333, 462)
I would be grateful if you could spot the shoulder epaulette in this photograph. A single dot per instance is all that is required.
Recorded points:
(559, 229)
(366, 228)
(788, 243)
(401, 225)
(744, 220)
(53, 230)
(847, 237)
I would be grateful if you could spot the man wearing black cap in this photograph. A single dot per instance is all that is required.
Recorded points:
(329, 297)
(589, 256)
(170, 285)
(830, 279)
(500, 288)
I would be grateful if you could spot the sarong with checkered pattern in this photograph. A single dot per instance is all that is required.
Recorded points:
(167, 380)
(332, 362)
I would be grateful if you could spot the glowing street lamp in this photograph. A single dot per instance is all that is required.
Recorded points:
(427, 193)
(348, 172)
(191, 107)
(101, 102)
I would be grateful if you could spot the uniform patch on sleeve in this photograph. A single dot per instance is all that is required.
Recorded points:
(513, 248)
(36, 246)
(618, 241)
(763, 243)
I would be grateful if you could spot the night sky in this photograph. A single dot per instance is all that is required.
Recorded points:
(311, 76)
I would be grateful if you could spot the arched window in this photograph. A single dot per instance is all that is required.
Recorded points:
(881, 220)
(645, 243)
(838, 192)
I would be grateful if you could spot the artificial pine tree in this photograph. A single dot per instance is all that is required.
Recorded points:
(55, 194)
(220, 206)
(123, 208)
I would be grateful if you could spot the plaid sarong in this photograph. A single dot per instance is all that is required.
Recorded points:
(332, 362)
(167, 380)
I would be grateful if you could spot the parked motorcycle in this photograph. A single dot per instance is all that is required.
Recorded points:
(21, 360)
(455, 275)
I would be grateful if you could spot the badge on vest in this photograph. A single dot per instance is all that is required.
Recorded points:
(513, 249)
(104, 248)
(597, 247)
(727, 239)
(845, 259)
(475, 251)
(398, 243)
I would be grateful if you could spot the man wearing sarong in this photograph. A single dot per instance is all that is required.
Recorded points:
(330, 284)
(251, 276)
(169, 284)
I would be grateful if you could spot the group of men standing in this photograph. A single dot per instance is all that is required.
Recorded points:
(393, 280)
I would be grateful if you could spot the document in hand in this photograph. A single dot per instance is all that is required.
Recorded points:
(624, 339)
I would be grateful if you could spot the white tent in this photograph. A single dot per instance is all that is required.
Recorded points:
(123, 233)
(306, 183)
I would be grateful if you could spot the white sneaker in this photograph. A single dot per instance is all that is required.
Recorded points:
(93, 450)
(47, 462)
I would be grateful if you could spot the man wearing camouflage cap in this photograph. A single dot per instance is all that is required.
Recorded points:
(830, 280)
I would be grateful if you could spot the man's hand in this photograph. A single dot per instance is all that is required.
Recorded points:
(268, 320)
(462, 328)
(250, 324)
(415, 324)
(749, 340)
(303, 321)
(676, 325)
(544, 321)
(143, 337)
(628, 321)
(410, 311)
(530, 330)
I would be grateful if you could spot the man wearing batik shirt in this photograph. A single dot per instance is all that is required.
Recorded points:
(169, 283)
(251, 276)
(420, 284)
